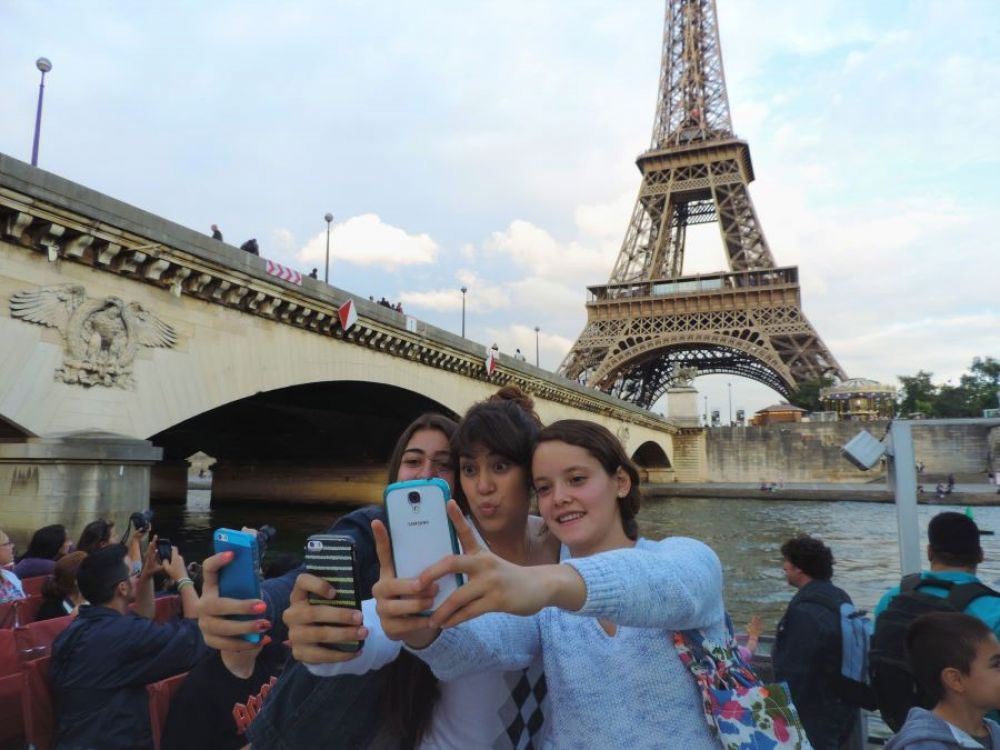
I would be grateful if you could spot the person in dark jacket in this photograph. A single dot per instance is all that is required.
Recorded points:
(103, 661)
(807, 649)
(251, 247)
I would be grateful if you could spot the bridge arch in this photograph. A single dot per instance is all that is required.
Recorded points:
(653, 463)
(641, 371)
(650, 455)
(352, 420)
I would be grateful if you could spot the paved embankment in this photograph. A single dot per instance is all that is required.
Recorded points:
(963, 494)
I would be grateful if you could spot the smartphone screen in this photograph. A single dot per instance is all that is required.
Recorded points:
(163, 550)
(332, 557)
(239, 579)
(421, 531)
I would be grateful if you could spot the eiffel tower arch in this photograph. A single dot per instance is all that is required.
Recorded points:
(650, 319)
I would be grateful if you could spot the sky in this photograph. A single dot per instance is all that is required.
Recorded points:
(492, 145)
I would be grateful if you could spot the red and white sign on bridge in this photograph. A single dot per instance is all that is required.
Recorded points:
(288, 274)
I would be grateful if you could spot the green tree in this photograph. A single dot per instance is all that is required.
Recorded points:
(952, 401)
(977, 389)
(916, 394)
(806, 396)
(983, 382)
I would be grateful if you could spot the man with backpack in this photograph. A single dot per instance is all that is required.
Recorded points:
(809, 648)
(950, 585)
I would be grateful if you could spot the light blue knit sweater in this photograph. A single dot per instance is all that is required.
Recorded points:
(630, 690)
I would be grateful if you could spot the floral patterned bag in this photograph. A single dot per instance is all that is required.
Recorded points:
(742, 712)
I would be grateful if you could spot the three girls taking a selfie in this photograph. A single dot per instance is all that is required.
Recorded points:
(599, 623)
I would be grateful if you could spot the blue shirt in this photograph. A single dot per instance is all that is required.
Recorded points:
(985, 608)
(100, 667)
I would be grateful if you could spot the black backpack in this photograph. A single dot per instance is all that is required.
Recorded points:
(895, 689)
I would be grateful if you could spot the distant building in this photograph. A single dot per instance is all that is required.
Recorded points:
(860, 400)
(783, 412)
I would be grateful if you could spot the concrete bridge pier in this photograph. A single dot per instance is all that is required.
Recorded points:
(72, 479)
(168, 484)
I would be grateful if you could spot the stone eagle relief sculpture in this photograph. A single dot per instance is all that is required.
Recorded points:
(102, 336)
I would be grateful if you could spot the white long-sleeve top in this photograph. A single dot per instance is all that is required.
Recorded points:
(492, 709)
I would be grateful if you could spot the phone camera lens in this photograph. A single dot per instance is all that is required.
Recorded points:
(414, 497)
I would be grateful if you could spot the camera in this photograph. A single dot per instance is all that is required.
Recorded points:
(413, 497)
(264, 536)
(164, 550)
(141, 520)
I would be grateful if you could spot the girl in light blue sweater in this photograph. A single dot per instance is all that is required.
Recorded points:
(602, 620)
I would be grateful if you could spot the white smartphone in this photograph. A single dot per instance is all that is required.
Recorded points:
(421, 531)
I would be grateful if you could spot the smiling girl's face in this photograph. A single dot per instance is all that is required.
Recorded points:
(578, 499)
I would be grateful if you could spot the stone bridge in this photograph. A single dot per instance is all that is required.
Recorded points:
(128, 343)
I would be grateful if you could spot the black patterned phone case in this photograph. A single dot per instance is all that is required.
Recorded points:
(332, 558)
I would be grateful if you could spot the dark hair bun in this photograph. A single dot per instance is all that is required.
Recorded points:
(514, 394)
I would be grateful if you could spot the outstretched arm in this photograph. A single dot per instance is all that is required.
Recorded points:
(673, 584)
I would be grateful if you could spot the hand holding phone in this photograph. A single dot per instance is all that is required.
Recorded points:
(163, 549)
(497, 585)
(332, 557)
(421, 531)
(239, 579)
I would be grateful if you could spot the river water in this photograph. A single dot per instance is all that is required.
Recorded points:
(746, 534)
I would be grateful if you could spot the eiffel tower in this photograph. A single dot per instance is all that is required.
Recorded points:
(650, 320)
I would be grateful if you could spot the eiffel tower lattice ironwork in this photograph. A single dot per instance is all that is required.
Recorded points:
(650, 319)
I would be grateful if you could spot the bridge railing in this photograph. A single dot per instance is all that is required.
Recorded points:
(697, 284)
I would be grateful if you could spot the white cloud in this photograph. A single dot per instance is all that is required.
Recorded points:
(367, 241)
(546, 296)
(533, 248)
(480, 297)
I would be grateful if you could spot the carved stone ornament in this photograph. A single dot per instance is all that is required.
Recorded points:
(683, 377)
(102, 336)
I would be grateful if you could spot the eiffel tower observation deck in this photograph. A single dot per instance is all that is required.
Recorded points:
(650, 324)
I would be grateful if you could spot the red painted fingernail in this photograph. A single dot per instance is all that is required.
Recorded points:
(263, 625)
(260, 607)
(265, 640)
(227, 556)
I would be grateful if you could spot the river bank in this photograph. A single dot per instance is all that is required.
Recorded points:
(962, 494)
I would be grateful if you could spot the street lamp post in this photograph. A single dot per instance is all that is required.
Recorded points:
(43, 64)
(536, 346)
(326, 272)
(464, 290)
(730, 404)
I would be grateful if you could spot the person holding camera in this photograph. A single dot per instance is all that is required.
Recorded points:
(103, 661)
